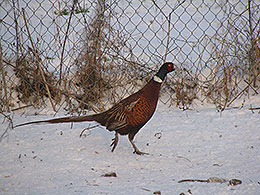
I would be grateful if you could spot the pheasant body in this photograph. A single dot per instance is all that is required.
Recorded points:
(129, 115)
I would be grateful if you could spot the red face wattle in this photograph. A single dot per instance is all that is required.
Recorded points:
(170, 67)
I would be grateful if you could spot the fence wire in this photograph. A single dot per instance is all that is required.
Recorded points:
(86, 55)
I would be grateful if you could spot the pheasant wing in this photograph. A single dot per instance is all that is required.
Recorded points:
(128, 113)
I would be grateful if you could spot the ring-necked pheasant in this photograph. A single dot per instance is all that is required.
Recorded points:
(129, 115)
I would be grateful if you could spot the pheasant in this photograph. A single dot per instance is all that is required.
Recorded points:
(129, 115)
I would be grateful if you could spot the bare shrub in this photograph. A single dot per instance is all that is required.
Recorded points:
(235, 61)
(99, 67)
(5, 103)
(185, 87)
(103, 68)
(30, 86)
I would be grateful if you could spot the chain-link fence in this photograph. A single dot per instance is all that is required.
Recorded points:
(84, 54)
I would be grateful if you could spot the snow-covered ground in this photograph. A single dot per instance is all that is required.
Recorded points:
(195, 144)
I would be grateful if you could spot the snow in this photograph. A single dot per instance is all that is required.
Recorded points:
(193, 144)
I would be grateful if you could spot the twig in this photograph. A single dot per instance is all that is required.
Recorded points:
(237, 96)
(65, 39)
(16, 31)
(80, 135)
(193, 180)
(232, 108)
(169, 24)
(38, 61)
(10, 125)
(250, 20)
(168, 37)
(101, 10)
(184, 158)
(257, 108)
(232, 182)
(249, 84)
(4, 81)
(241, 92)
(210, 180)
(22, 107)
(3, 134)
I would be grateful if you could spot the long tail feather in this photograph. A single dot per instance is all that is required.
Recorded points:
(94, 117)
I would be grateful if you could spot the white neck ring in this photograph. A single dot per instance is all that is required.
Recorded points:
(157, 79)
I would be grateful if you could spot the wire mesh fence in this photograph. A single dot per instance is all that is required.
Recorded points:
(86, 55)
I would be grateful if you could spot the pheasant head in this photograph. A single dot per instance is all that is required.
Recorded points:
(163, 71)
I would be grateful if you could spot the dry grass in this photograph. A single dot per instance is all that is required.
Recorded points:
(30, 86)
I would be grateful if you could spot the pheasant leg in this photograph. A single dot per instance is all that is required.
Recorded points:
(114, 142)
(137, 151)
